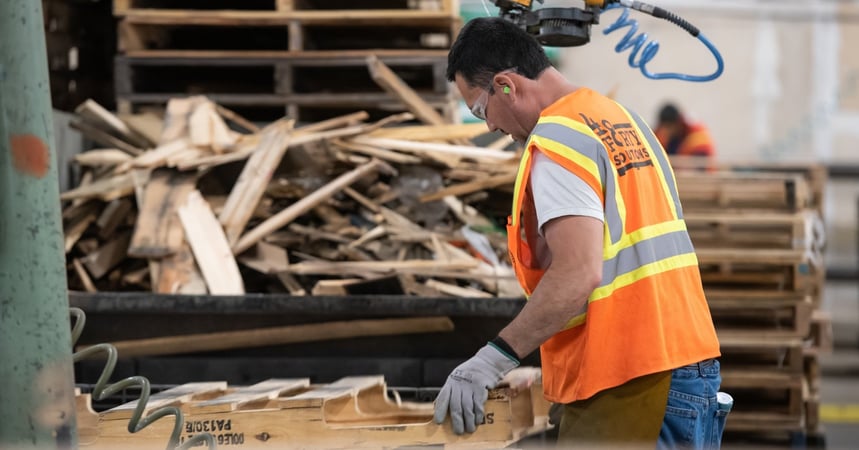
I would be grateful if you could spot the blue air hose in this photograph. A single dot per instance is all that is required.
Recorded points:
(645, 51)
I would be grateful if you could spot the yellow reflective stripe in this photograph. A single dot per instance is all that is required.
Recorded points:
(568, 153)
(518, 189)
(659, 169)
(642, 234)
(575, 321)
(663, 265)
(567, 122)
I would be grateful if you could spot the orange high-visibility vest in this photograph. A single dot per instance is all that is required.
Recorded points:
(696, 142)
(649, 313)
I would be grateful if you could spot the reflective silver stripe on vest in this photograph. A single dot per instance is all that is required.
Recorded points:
(592, 149)
(663, 162)
(646, 252)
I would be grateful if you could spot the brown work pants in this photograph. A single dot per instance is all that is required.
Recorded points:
(625, 417)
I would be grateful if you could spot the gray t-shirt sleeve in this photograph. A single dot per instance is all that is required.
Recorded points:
(558, 192)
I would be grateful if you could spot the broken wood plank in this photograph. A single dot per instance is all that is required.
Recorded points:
(252, 182)
(302, 206)
(266, 258)
(473, 152)
(210, 247)
(101, 261)
(156, 157)
(471, 186)
(393, 84)
(177, 116)
(444, 132)
(237, 119)
(102, 157)
(364, 201)
(207, 129)
(261, 337)
(106, 189)
(332, 287)
(158, 232)
(75, 228)
(96, 114)
(146, 124)
(83, 276)
(387, 155)
(177, 273)
(413, 266)
(291, 284)
(103, 138)
(112, 215)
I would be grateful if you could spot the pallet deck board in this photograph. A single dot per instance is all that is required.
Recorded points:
(273, 18)
(354, 412)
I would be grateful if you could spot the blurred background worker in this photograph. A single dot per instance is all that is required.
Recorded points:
(680, 137)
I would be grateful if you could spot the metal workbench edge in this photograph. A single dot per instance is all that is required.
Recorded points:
(355, 305)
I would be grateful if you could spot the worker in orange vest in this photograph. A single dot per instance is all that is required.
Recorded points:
(599, 245)
(681, 137)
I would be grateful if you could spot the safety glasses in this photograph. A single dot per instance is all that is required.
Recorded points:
(478, 109)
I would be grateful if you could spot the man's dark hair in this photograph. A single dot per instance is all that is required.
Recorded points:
(488, 45)
(669, 114)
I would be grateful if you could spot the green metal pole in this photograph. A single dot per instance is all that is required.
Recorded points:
(36, 375)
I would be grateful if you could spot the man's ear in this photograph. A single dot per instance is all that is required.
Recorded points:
(506, 83)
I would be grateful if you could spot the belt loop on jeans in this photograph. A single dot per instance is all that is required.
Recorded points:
(700, 366)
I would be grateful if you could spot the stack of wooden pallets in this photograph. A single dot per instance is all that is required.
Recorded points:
(261, 56)
(758, 235)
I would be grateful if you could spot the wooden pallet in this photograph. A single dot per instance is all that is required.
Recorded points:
(298, 79)
(152, 37)
(750, 312)
(778, 269)
(761, 350)
(354, 412)
(760, 230)
(125, 7)
(815, 175)
(765, 400)
(731, 191)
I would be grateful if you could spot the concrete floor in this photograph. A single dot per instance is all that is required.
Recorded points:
(840, 398)
(840, 384)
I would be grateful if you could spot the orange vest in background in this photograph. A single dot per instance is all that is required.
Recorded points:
(649, 313)
(697, 141)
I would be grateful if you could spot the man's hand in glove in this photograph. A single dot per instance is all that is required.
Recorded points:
(467, 388)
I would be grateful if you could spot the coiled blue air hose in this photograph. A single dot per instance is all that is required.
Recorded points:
(645, 51)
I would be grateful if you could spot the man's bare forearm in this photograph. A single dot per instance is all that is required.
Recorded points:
(557, 299)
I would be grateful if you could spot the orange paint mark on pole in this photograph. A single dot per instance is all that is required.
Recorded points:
(30, 155)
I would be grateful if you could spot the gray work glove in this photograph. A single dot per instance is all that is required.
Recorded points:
(467, 388)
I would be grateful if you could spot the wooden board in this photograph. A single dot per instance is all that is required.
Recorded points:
(170, 397)
(260, 337)
(354, 412)
(242, 397)
(122, 7)
(743, 191)
(209, 244)
(158, 231)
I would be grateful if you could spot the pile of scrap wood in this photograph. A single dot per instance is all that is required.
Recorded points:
(202, 201)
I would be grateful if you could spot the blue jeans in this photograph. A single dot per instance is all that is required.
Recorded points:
(693, 419)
